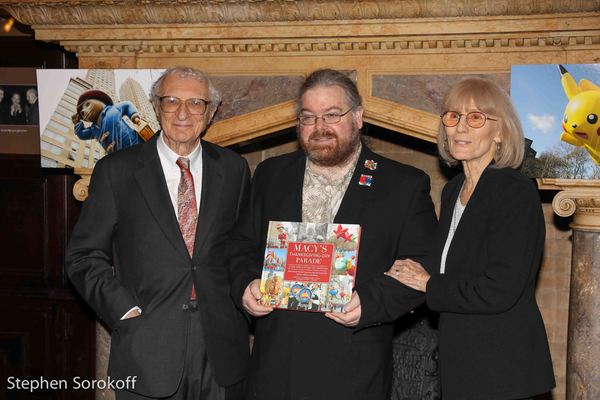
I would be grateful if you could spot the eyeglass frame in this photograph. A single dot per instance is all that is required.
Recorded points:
(322, 117)
(485, 118)
(206, 103)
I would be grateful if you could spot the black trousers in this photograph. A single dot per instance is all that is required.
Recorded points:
(197, 382)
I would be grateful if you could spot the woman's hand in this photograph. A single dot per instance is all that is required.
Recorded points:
(410, 273)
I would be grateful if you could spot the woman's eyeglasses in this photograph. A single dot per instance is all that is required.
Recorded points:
(475, 119)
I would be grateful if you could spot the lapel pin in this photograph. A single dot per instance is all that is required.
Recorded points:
(370, 164)
(365, 180)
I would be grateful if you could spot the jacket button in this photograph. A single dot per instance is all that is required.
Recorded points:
(194, 268)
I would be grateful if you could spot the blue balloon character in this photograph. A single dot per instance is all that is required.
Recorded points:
(99, 118)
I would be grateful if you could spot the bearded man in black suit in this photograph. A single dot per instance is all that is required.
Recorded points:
(334, 177)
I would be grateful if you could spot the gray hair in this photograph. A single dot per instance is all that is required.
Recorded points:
(490, 99)
(186, 72)
(330, 77)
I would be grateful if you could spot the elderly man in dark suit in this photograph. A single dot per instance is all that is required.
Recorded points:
(150, 248)
(333, 178)
(32, 113)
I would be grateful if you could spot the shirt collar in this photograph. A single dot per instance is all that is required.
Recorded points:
(171, 157)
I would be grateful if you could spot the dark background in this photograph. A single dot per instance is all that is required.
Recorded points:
(45, 330)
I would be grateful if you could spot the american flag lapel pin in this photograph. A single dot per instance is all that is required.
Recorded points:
(365, 180)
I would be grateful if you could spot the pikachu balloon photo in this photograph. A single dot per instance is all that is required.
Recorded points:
(581, 120)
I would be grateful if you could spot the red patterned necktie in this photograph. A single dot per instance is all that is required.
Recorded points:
(186, 208)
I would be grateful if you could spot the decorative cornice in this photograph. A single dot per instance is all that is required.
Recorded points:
(471, 43)
(101, 12)
(385, 36)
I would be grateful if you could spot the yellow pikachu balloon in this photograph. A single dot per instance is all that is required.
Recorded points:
(581, 121)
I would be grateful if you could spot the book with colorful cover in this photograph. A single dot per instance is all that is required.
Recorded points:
(309, 266)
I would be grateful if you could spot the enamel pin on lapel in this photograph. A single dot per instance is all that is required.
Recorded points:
(370, 164)
(365, 180)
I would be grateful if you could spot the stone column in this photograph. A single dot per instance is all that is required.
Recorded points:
(583, 344)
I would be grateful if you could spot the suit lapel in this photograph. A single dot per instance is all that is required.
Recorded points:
(473, 215)
(289, 190)
(356, 196)
(151, 180)
(212, 186)
(434, 258)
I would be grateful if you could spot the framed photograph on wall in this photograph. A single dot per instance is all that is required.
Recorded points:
(19, 111)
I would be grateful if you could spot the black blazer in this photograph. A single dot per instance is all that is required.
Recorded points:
(303, 355)
(492, 340)
(128, 221)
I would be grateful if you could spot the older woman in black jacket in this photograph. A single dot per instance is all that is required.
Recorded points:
(486, 254)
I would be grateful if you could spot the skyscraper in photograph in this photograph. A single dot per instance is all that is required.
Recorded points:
(133, 91)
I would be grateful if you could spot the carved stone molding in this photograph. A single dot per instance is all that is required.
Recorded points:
(47, 12)
(387, 114)
(579, 198)
(80, 189)
(583, 204)
(253, 125)
(365, 46)
(217, 28)
(478, 34)
(400, 118)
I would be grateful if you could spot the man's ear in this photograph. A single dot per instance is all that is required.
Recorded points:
(358, 115)
(156, 108)
(213, 111)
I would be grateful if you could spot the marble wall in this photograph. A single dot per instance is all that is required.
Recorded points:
(244, 94)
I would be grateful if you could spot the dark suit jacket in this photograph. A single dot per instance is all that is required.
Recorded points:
(304, 355)
(32, 113)
(491, 335)
(128, 221)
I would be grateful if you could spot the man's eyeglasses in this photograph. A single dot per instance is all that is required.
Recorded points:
(329, 118)
(170, 104)
(475, 119)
